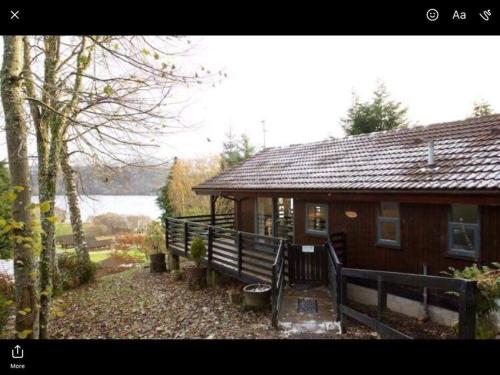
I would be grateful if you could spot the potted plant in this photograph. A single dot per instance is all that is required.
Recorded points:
(197, 276)
(154, 241)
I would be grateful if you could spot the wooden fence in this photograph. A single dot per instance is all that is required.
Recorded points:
(246, 256)
(221, 220)
(339, 276)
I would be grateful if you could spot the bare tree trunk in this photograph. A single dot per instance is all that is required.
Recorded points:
(47, 182)
(15, 128)
(82, 254)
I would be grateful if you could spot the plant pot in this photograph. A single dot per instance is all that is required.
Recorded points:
(157, 263)
(196, 277)
(256, 297)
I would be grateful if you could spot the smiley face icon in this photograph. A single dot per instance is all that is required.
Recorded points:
(432, 14)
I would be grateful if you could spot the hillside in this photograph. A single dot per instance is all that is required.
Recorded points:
(127, 180)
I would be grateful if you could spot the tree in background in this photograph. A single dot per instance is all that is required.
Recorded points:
(481, 108)
(185, 174)
(105, 97)
(5, 212)
(235, 150)
(163, 200)
(20, 226)
(377, 115)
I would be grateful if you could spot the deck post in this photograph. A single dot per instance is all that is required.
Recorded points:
(467, 311)
(240, 253)
(186, 238)
(213, 199)
(210, 245)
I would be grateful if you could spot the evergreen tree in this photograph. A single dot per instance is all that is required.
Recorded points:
(163, 200)
(5, 211)
(377, 115)
(234, 151)
(481, 108)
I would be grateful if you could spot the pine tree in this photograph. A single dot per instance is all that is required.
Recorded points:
(163, 200)
(481, 108)
(377, 115)
(234, 151)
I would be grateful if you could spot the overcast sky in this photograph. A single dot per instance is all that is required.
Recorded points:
(302, 86)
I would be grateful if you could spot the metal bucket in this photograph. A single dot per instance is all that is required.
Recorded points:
(257, 296)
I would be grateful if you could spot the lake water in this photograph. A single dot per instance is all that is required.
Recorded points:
(93, 205)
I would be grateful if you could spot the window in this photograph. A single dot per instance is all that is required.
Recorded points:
(284, 218)
(316, 218)
(388, 223)
(264, 216)
(463, 230)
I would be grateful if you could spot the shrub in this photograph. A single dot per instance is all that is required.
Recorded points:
(5, 308)
(127, 241)
(71, 274)
(154, 241)
(6, 298)
(487, 292)
(198, 250)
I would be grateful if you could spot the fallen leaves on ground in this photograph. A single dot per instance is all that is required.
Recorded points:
(137, 304)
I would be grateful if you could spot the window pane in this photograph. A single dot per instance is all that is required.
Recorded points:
(284, 218)
(264, 216)
(389, 209)
(316, 217)
(464, 213)
(388, 231)
(462, 238)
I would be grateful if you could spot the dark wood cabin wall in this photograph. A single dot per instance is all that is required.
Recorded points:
(490, 234)
(424, 234)
(245, 208)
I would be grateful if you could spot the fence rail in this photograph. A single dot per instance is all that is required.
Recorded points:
(221, 220)
(339, 276)
(246, 256)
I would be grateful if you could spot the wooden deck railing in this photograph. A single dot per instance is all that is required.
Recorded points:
(339, 276)
(221, 220)
(277, 283)
(246, 256)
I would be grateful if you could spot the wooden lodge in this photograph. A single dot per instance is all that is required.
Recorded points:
(405, 199)
(382, 208)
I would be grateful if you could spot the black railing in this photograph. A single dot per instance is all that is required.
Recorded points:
(339, 276)
(246, 256)
(464, 288)
(221, 220)
(334, 280)
(277, 282)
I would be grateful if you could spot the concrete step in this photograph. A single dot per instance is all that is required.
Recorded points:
(309, 326)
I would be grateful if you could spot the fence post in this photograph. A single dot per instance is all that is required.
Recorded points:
(467, 311)
(186, 229)
(381, 297)
(338, 288)
(210, 241)
(240, 253)
(343, 299)
(274, 296)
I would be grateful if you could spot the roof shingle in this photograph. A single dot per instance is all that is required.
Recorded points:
(467, 157)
